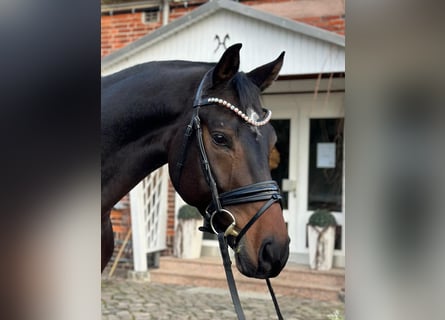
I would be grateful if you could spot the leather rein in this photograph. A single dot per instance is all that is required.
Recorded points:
(267, 191)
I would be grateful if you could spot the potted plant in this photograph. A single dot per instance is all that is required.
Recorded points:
(321, 238)
(188, 239)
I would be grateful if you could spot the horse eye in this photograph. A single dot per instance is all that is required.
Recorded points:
(220, 139)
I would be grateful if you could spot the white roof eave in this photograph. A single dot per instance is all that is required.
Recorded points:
(208, 9)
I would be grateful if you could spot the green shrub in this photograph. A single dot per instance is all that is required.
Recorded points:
(322, 218)
(187, 212)
(335, 316)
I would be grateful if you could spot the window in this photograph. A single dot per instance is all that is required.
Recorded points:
(150, 16)
(326, 164)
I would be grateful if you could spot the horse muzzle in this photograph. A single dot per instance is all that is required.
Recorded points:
(272, 258)
(273, 251)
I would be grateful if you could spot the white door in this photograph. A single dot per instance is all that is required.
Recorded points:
(305, 125)
(284, 119)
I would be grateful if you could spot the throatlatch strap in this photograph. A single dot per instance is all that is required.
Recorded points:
(229, 275)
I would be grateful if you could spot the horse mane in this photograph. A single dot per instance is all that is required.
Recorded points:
(248, 92)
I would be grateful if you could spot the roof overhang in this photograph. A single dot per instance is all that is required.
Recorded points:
(312, 36)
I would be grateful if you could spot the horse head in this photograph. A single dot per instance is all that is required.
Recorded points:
(231, 140)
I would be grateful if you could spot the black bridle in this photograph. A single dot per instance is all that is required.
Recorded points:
(267, 191)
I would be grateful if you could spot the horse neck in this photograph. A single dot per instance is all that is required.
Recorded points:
(140, 115)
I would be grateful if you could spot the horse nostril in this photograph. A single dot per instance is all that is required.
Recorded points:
(267, 252)
(272, 257)
(269, 256)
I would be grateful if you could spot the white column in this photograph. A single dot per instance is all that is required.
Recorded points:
(138, 227)
(165, 12)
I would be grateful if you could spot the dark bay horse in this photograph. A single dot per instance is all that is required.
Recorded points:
(207, 122)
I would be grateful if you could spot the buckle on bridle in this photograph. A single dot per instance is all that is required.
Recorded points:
(230, 230)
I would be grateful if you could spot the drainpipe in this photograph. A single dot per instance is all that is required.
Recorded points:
(165, 12)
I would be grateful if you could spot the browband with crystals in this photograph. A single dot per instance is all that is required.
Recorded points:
(241, 114)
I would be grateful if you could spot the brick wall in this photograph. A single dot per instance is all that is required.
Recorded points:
(170, 221)
(331, 23)
(121, 220)
(121, 29)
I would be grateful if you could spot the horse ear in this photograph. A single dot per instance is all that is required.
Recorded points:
(264, 76)
(228, 65)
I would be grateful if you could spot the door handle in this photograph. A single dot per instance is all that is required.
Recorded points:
(288, 185)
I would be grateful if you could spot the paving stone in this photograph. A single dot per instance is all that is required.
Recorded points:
(126, 299)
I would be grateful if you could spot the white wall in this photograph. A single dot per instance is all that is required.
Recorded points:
(262, 43)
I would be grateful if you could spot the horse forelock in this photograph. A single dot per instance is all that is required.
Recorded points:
(248, 93)
(249, 96)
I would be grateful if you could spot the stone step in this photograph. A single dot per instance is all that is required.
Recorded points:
(292, 273)
(293, 280)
